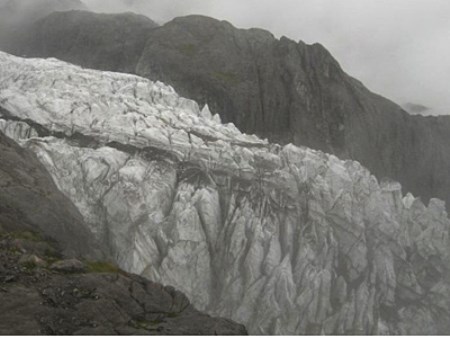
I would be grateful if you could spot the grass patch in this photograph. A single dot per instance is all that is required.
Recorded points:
(102, 267)
(29, 265)
(23, 235)
(149, 325)
(52, 255)
(27, 235)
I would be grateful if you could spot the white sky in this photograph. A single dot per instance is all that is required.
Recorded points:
(397, 48)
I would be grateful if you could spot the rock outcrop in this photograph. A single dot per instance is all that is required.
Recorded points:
(280, 89)
(29, 200)
(286, 240)
(37, 297)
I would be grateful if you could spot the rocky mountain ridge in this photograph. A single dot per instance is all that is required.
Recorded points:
(287, 240)
(21, 11)
(80, 34)
(18, 16)
(287, 91)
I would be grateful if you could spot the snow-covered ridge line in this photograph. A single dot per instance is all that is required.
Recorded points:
(286, 240)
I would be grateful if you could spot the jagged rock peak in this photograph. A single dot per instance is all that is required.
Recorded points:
(205, 26)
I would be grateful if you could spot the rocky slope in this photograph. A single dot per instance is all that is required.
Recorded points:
(42, 294)
(286, 240)
(281, 89)
(42, 291)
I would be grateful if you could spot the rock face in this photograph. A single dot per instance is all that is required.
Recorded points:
(293, 92)
(36, 300)
(29, 200)
(102, 41)
(280, 89)
(286, 240)
(18, 16)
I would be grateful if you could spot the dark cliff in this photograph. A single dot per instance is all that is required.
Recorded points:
(280, 89)
(30, 200)
(111, 42)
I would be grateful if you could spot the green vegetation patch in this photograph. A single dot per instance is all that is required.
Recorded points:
(148, 325)
(29, 265)
(28, 235)
(102, 267)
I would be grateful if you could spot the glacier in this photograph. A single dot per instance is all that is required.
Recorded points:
(284, 239)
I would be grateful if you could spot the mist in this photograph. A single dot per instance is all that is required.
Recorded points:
(27, 11)
(397, 48)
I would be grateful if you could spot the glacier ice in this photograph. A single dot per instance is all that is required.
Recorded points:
(286, 240)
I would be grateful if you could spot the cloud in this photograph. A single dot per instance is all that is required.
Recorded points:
(398, 48)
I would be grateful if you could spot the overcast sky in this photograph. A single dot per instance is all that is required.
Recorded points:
(397, 48)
